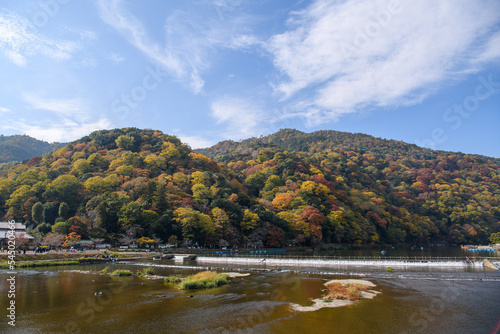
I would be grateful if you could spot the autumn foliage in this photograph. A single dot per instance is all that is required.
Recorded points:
(127, 185)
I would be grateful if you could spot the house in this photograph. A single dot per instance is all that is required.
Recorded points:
(19, 230)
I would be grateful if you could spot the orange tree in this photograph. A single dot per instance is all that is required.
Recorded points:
(72, 239)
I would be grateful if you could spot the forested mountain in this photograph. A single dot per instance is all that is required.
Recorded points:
(19, 148)
(286, 188)
(297, 141)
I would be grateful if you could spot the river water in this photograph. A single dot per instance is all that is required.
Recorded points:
(63, 300)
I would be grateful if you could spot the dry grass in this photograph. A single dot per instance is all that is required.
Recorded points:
(347, 291)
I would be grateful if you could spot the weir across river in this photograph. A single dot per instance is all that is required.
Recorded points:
(324, 261)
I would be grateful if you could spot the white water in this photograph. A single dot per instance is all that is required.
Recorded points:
(338, 262)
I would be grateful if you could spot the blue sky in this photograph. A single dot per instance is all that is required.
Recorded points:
(425, 72)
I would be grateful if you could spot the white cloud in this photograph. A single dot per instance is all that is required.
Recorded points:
(113, 14)
(491, 50)
(88, 62)
(190, 38)
(197, 142)
(20, 40)
(5, 110)
(71, 119)
(243, 118)
(359, 54)
(74, 107)
(116, 58)
(64, 131)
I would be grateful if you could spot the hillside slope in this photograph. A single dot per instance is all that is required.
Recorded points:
(288, 188)
(19, 148)
(297, 141)
(386, 190)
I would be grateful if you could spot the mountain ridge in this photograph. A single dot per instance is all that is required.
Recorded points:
(22, 147)
(121, 185)
(281, 139)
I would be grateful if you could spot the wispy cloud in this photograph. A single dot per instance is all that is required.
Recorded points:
(352, 55)
(20, 40)
(5, 110)
(65, 119)
(243, 118)
(64, 130)
(490, 51)
(62, 106)
(116, 57)
(88, 62)
(190, 38)
(119, 18)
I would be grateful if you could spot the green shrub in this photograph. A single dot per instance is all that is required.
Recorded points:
(122, 273)
(105, 270)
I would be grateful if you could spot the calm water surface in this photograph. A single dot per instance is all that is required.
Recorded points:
(59, 300)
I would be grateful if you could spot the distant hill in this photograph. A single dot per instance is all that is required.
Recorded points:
(297, 141)
(22, 147)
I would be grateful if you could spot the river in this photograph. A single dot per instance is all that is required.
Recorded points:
(63, 300)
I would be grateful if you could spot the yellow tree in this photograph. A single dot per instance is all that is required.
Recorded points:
(250, 221)
(220, 218)
(145, 241)
(195, 225)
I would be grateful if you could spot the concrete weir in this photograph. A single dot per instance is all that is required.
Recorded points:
(184, 257)
(276, 262)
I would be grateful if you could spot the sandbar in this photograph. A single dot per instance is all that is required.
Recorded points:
(319, 303)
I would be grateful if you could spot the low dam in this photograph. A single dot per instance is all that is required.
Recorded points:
(277, 261)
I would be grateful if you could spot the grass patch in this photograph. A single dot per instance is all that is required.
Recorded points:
(105, 270)
(119, 255)
(122, 273)
(149, 271)
(173, 279)
(204, 280)
(347, 291)
(146, 271)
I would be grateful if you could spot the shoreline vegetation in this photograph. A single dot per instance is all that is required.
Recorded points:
(340, 293)
(66, 258)
(54, 262)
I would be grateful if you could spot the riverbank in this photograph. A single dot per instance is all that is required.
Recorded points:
(31, 260)
(54, 262)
